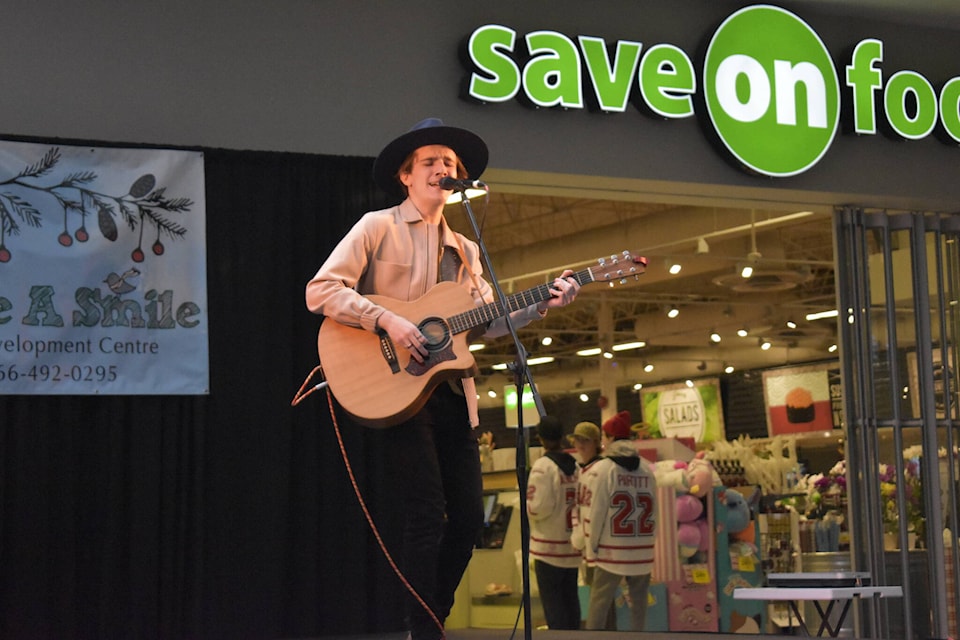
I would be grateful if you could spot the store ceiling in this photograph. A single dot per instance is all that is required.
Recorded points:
(532, 237)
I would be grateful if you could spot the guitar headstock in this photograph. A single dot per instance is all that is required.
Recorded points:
(617, 268)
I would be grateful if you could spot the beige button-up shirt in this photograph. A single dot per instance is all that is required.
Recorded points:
(394, 253)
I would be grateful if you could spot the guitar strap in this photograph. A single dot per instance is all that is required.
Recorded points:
(464, 264)
(449, 272)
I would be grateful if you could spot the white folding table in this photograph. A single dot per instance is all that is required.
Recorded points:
(818, 594)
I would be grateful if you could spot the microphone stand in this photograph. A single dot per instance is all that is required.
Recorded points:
(521, 373)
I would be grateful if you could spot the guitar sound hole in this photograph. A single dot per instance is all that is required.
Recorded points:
(436, 332)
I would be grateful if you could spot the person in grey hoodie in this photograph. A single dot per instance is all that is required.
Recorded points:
(619, 523)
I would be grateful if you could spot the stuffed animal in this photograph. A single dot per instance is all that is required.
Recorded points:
(738, 512)
(689, 537)
(689, 508)
(699, 477)
(692, 528)
(671, 473)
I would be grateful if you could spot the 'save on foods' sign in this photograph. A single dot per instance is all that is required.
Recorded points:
(770, 88)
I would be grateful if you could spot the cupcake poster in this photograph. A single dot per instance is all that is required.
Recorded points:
(798, 400)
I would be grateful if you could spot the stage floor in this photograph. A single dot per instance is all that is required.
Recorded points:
(538, 634)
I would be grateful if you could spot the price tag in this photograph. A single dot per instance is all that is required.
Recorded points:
(746, 564)
(701, 575)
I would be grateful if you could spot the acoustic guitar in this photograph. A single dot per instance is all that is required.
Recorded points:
(380, 385)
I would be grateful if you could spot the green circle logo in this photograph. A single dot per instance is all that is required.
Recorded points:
(771, 91)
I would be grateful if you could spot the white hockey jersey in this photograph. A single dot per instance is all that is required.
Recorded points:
(617, 509)
(585, 489)
(551, 498)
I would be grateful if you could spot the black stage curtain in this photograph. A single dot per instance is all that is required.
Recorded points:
(221, 516)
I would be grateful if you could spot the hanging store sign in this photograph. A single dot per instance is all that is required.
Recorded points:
(770, 89)
(684, 410)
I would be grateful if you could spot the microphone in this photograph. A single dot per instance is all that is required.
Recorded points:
(447, 182)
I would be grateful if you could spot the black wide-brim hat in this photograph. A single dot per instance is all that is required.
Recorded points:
(468, 146)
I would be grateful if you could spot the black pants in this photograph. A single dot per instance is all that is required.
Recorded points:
(558, 595)
(435, 460)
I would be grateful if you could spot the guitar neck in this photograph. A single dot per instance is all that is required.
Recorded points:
(491, 311)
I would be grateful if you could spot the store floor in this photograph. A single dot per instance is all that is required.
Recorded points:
(506, 634)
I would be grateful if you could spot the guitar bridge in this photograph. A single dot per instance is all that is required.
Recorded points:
(388, 352)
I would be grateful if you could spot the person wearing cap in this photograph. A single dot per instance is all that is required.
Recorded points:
(551, 498)
(402, 252)
(619, 521)
(586, 440)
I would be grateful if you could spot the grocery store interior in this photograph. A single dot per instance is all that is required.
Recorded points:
(696, 318)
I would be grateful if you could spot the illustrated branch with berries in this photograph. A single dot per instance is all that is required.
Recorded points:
(144, 204)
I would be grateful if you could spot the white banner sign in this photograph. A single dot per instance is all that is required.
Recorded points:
(103, 280)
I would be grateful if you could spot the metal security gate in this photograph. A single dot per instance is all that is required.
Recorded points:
(898, 282)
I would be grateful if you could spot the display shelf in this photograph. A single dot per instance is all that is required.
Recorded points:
(778, 541)
(504, 480)
(690, 582)
(738, 565)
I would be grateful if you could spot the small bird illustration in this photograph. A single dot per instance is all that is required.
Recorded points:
(119, 284)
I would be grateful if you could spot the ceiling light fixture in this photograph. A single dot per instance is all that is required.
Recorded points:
(715, 337)
(744, 332)
(673, 311)
(584, 397)
(791, 324)
(702, 246)
(638, 386)
(753, 258)
(689, 383)
(546, 341)
(608, 355)
(627, 346)
(820, 315)
(457, 196)
(765, 345)
(674, 267)
(491, 393)
(503, 366)
(728, 368)
(477, 346)
(648, 367)
(594, 351)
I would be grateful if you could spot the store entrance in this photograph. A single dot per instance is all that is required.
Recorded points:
(889, 361)
(898, 281)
